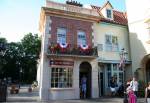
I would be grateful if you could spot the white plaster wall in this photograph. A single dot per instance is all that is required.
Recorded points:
(45, 76)
(137, 12)
(95, 87)
(76, 79)
(101, 29)
(103, 11)
(60, 94)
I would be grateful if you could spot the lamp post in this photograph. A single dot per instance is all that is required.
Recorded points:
(20, 81)
(123, 54)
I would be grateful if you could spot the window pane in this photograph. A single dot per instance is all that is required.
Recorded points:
(108, 13)
(81, 37)
(121, 77)
(114, 67)
(61, 78)
(108, 39)
(61, 35)
(108, 67)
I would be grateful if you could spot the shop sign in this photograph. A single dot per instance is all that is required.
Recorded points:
(62, 62)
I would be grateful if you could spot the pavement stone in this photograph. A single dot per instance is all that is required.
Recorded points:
(25, 97)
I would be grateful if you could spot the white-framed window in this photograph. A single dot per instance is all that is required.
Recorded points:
(81, 39)
(61, 35)
(109, 13)
(61, 77)
(100, 47)
(113, 70)
(111, 43)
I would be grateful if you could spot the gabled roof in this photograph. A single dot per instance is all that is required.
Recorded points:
(107, 3)
(118, 17)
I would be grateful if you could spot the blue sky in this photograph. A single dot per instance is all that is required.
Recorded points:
(19, 17)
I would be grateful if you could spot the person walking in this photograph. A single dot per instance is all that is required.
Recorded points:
(131, 95)
(83, 86)
(134, 84)
(147, 93)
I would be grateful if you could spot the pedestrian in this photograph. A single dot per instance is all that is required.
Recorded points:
(113, 86)
(147, 93)
(131, 95)
(83, 86)
(134, 84)
(128, 82)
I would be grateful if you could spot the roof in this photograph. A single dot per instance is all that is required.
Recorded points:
(106, 5)
(119, 17)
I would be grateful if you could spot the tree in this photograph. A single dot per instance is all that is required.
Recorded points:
(3, 43)
(31, 45)
(18, 60)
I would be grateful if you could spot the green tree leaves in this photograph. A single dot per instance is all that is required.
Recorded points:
(18, 60)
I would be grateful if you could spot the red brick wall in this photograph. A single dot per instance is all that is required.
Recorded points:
(72, 26)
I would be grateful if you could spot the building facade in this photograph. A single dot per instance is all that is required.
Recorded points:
(68, 52)
(77, 42)
(139, 28)
(110, 36)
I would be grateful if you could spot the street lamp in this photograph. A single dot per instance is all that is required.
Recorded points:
(123, 58)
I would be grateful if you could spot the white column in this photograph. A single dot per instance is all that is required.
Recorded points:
(45, 70)
(95, 88)
(76, 79)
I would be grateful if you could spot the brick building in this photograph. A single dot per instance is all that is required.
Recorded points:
(70, 37)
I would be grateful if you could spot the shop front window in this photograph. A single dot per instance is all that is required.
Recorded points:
(113, 70)
(61, 77)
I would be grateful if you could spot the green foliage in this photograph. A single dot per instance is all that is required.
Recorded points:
(142, 87)
(19, 59)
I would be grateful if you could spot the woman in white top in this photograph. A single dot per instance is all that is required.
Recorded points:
(134, 84)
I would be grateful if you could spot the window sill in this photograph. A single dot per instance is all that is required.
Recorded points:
(60, 89)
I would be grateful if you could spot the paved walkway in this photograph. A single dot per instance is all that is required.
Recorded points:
(25, 96)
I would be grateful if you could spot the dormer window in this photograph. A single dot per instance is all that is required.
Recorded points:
(109, 13)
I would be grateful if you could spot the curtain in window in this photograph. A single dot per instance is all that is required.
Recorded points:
(61, 35)
(81, 40)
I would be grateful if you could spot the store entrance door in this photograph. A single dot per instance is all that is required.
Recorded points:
(85, 71)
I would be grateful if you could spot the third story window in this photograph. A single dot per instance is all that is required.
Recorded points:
(109, 13)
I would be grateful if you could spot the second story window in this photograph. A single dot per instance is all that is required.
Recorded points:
(81, 39)
(111, 43)
(61, 35)
(109, 13)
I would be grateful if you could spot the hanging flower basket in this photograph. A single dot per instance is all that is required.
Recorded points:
(53, 48)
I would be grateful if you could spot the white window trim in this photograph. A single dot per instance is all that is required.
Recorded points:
(109, 47)
(60, 33)
(111, 14)
(78, 43)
